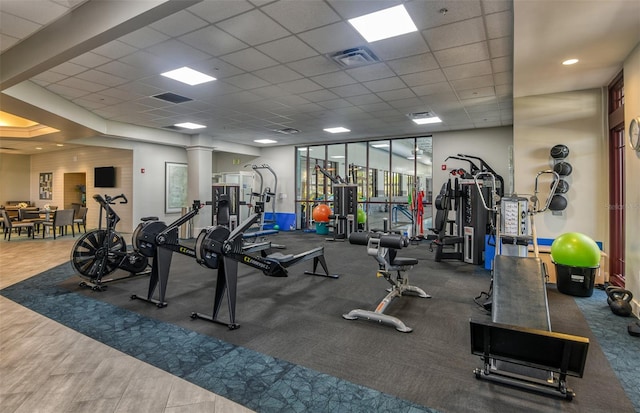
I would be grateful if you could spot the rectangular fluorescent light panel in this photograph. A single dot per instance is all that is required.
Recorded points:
(424, 121)
(188, 76)
(380, 145)
(337, 156)
(189, 125)
(265, 141)
(384, 24)
(339, 129)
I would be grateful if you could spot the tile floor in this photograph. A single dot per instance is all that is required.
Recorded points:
(47, 367)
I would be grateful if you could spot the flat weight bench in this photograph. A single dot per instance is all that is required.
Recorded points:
(384, 249)
(518, 347)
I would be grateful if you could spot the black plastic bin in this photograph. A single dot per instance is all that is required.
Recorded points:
(577, 281)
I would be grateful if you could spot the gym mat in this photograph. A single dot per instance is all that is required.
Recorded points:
(293, 326)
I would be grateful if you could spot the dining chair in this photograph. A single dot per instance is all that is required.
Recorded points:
(62, 218)
(10, 225)
(81, 218)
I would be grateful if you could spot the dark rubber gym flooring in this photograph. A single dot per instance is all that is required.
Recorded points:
(295, 352)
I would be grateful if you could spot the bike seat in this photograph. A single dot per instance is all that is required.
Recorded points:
(148, 219)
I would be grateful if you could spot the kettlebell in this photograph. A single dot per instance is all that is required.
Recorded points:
(619, 301)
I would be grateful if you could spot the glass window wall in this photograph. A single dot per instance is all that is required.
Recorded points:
(392, 180)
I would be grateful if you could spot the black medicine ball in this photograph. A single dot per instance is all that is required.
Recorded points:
(562, 188)
(558, 203)
(559, 152)
(563, 168)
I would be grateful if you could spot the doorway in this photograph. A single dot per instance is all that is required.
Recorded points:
(616, 182)
(75, 189)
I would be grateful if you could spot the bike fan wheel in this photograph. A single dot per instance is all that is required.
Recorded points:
(91, 258)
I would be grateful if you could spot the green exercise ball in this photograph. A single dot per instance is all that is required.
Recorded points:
(276, 227)
(362, 216)
(575, 250)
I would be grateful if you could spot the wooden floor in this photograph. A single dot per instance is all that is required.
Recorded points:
(47, 367)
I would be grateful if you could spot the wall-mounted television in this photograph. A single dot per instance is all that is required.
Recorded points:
(104, 177)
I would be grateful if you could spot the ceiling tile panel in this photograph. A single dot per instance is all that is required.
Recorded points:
(350, 90)
(47, 11)
(499, 24)
(66, 91)
(300, 86)
(215, 11)
(314, 66)
(334, 79)
(287, 50)
(178, 52)
(370, 72)
(278, 74)
(413, 64)
(17, 27)
(434, 88)
(386, 84)
(81, 84)
(48, 77)
(424, 78)
(473, 82)
(319, 96)
(500, 47)
(118, 68)
(213, 41)
(301, 15)
(246, 81)
(253, 27)
(178, 24)
(365, 99)
(7, 41)
(468, 70)
(333, 38)
(502, 64)
(249, 60)
(428, 14)
(101, 78)
(68, 69)
(396, 94)
(463, 54)
(455, 34)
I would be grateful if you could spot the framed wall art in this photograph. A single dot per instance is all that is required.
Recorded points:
(45, 185)
(175, 187)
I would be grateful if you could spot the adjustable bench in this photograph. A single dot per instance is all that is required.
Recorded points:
(518, 347)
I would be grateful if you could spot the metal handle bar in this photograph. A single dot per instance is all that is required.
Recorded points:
(493, 180)
(556, 181)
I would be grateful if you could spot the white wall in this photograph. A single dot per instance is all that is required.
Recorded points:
(632, 175)
(575, 119)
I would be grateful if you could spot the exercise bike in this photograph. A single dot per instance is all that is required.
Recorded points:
(100, 252)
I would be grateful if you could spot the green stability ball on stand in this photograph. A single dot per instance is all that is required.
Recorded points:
(575, 250)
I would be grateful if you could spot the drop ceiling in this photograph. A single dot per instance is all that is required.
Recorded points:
(274, 67)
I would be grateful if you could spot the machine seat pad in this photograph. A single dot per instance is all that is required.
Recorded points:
(402, 261)
(143, 219)
(280, 257)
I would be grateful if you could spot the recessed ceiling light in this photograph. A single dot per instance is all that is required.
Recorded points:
(424, 121)
(570, 62)
(38, 148)
(265, 141)
(380, 145)
(188, 76)
(189, 125)
(59, 144)
(384, 24)
(339, 129)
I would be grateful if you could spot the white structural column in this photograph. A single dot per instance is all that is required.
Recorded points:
(200, 160)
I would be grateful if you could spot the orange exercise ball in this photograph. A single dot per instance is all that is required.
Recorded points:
(321, 213)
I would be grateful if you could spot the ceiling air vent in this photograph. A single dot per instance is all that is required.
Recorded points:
(288, 131)
(172, 97)
(358, 56)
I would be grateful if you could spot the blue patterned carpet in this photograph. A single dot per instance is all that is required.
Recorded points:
(255, 380)
(622, 349)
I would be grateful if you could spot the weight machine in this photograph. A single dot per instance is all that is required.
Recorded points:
(221, 249)
(345, 205)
